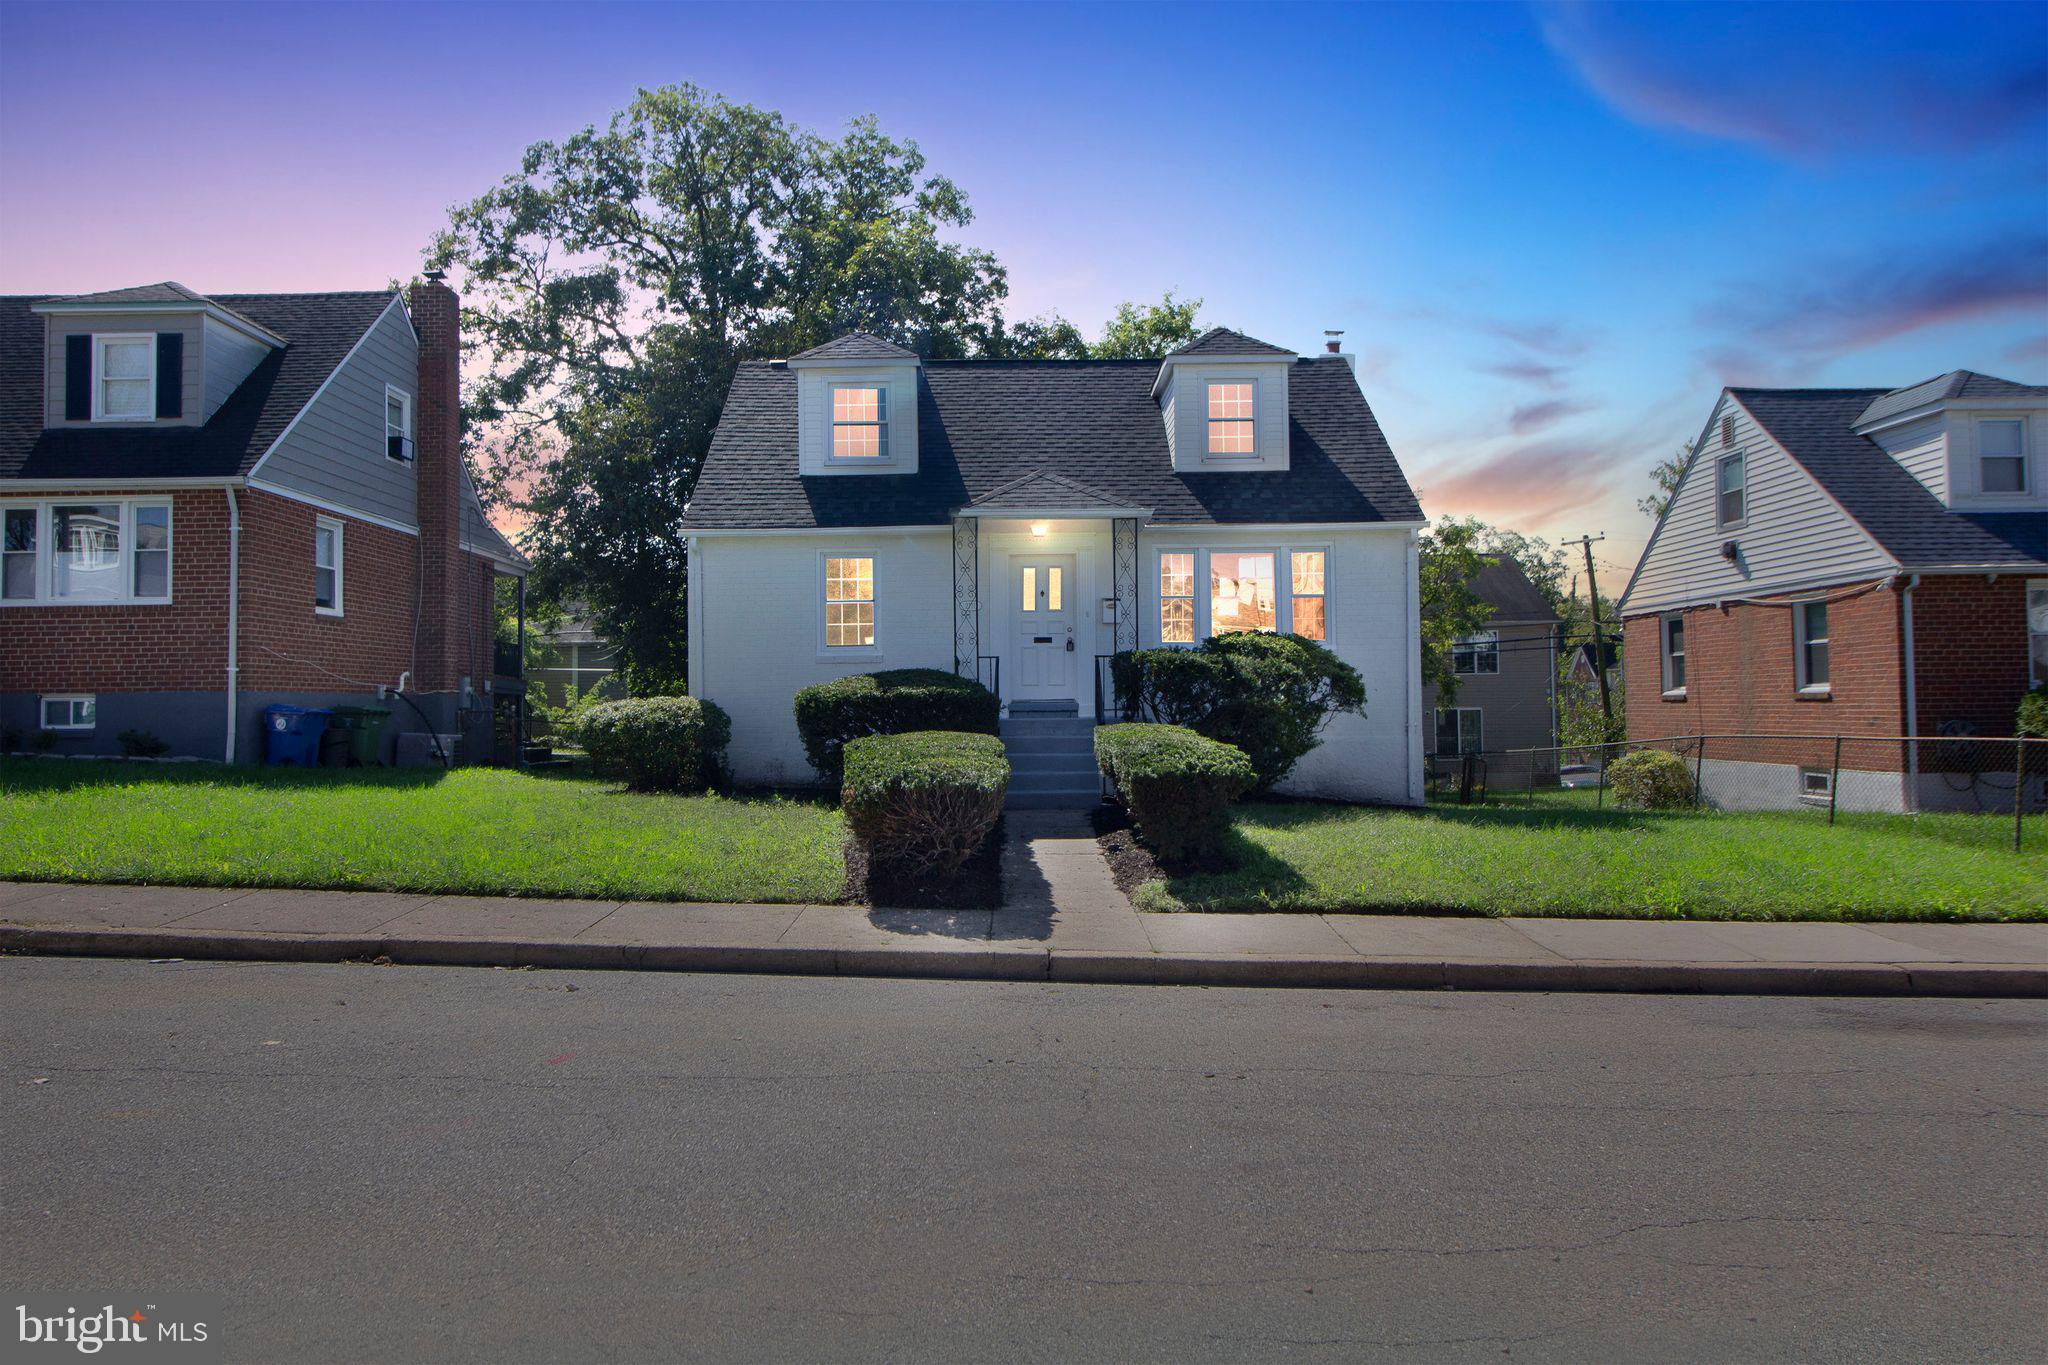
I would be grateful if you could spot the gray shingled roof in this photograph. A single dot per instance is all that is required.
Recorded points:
(1040, 489)
(318, 329)
(856, 346)
(983, 424)
(1954, 384)
(1816, 427)
(1223, 341)
(169, 291)
(1501, 584)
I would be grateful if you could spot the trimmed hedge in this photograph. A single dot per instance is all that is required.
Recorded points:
(1177, 785)
(893, 702)
(2032, 720)
(670, 744)
(1268, 695)
(1650, 779)
(923, 803)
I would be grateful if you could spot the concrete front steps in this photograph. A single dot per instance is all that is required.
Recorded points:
(1052, 757)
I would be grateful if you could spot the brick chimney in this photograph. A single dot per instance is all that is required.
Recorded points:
(437, 450)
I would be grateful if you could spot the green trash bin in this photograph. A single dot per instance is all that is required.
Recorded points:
(365, 726)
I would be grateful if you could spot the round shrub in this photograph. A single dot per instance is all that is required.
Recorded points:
(670, 744)
(923, 803)
(2033, 717)
(1269, 695)
(1650, 779)
(892, 702)
(1177, 785)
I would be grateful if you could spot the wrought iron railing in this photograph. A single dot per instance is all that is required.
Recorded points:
(988, 671)
(1109, 707)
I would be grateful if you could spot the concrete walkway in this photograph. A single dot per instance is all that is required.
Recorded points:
(1063, 919)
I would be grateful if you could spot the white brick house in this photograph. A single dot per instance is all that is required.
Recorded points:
(1022, 521)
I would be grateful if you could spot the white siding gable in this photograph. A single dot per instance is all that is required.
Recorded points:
(814, 383)
(228, 356)
(1793, 534)
(1922, 447)
(1185, 409)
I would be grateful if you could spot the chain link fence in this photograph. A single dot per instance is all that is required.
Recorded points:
(1824, 777)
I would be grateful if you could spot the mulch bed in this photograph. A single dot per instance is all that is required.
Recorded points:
(1131, 862)
(977, 886)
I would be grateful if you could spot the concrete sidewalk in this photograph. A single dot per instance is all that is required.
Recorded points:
(1063, 920)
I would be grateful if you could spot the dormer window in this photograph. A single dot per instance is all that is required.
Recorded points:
(860, 422)
(124, 378)
(1231, 421)
(1730, 490)
(2002, 455)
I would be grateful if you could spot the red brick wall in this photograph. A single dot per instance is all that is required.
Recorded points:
(1739, 671)
(437, 441)
(177, 646)
(1969, 650)
(286, 646)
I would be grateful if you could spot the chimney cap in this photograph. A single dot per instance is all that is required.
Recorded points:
(436, 276)
(1335, 342)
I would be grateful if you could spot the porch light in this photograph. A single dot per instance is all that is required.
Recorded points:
(1038, 528)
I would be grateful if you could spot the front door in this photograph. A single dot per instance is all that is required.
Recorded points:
(1042, 659)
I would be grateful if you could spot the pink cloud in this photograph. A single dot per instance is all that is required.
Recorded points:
(1535, 417)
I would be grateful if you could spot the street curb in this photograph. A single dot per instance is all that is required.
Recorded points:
(1001, 962)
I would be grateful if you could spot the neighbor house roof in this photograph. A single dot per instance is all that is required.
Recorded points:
(983, 424)
(857, 346)
(1954, 384)
(1816, 427)
(1501, 584)
(1223, 341)
(318, 329)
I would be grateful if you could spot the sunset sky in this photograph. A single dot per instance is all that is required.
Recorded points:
(1550, 233)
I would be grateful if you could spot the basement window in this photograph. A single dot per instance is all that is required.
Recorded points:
(1816, 786)
(77, 712)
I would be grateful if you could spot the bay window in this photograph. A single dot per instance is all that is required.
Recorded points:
(86, 553)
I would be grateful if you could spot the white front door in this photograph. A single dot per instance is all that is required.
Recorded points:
(1043, 653)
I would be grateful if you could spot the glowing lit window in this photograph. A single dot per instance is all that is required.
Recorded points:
(1241, 593)
(849, 603)
(1231, 423)
(860, 422)
(1309, 621)
(1177, 599)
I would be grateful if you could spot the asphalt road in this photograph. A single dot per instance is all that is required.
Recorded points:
(420, 1163)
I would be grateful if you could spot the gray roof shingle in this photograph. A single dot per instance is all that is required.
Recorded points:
(1954, 384)
(1816, 427)
(1501, 584)
(856, 346)
(1040, 489)
(169, 291)
(319, 329)
(984, 424)
(1223, 341)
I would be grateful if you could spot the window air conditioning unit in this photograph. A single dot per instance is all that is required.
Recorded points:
(399, 447)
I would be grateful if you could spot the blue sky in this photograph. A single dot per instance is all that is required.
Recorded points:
(1550, 232)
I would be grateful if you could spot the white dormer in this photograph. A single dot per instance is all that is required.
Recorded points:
(155, 355)
(1223, 397)
(856, 407)
(1978, 443)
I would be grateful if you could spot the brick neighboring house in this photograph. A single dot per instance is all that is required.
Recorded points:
(1852, 562)
(1507, 673)
(209, 505)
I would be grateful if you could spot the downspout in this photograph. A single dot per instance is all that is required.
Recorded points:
(234, 614)
(1912, 704)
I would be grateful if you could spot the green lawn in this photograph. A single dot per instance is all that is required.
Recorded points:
(1560, 860)
(474, 831)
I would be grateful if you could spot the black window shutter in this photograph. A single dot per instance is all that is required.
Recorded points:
(78, 379)
(170, 374)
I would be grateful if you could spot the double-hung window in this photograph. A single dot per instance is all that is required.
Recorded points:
(1671, 632)
(2002, 456)
(1247, 590)
(1478, 653)
(397, 423)
(849, 602)
(1458, 731)
(85, 552)
(1177, 597)
(327, 566)
(1730, 481)
(1810, 645)
(1310, 568)
(2037, 627)
(124, 378)
(860, 422)
(1232, 420)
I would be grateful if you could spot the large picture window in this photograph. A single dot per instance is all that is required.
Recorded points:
(82, 552)
(1242, 595)
(1247, 590)
(849, 602)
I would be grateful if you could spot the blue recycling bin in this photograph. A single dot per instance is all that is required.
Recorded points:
(291, 735)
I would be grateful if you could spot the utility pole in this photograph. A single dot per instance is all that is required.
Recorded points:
(1599, 648)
